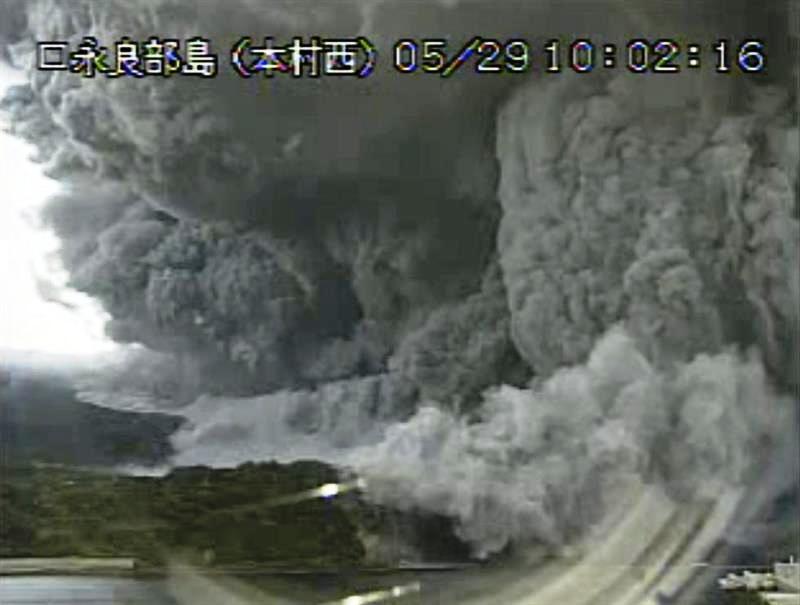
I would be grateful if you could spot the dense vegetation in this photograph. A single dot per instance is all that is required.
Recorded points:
(226, 517)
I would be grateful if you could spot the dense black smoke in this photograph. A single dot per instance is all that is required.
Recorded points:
(500, 297)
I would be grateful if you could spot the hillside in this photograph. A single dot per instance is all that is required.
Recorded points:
(41, 420)
(231, 517)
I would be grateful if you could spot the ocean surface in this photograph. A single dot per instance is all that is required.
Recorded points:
(401, 588)
(75, 590)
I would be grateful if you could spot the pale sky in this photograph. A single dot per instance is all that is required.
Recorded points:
(30, 272)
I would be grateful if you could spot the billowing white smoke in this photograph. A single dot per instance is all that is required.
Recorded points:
(539, 463)
(365, 299)
(289, 425)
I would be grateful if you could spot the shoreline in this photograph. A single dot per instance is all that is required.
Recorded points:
(130, 567)
(35, 566)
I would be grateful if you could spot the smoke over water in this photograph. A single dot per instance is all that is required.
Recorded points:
(499, 299)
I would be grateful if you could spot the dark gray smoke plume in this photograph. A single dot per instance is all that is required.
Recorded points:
(498, 298)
